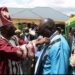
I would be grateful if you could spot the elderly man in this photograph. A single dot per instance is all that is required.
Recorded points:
(57, 53)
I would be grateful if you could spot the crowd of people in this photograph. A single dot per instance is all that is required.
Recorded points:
(21, 50)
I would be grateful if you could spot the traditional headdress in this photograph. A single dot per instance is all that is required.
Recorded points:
(4, 17)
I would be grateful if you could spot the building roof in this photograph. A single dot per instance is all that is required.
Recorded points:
(38, 12)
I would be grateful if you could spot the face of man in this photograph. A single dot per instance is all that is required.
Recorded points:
(11, 30)
(8, 30)
(73, 31)
(44, 32)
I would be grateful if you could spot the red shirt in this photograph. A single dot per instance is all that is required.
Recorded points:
(6, 52)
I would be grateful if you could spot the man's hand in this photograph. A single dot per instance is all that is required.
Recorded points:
(72, 60)
(42, 41)
(23, 51)
(30, 47)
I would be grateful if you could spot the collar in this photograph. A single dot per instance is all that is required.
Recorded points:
(54, 34)
(1, 37)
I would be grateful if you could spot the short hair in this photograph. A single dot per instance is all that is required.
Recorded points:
(47, 27)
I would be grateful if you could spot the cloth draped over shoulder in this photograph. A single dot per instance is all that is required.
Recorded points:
(57, 61)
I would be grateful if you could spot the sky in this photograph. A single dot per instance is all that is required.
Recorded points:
(64, 6)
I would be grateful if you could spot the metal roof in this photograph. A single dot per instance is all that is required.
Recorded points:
(38, 12)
